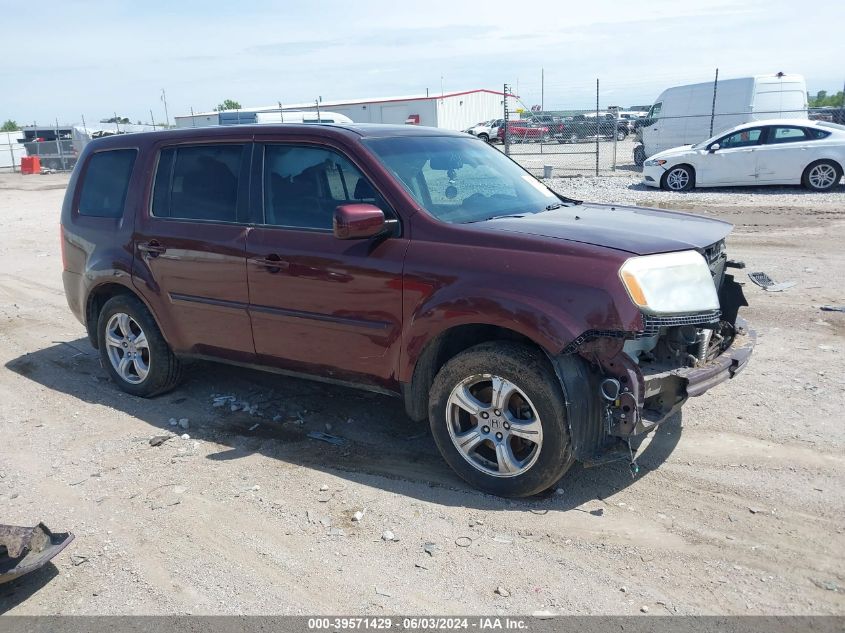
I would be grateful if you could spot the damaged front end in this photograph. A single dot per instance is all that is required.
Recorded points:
(25, 549)
(642, 378)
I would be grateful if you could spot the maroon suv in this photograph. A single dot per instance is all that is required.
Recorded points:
(531, 330)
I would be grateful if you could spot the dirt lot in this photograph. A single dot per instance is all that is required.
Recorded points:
(739, 507)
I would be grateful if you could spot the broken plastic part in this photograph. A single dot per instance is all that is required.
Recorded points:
(25, 549)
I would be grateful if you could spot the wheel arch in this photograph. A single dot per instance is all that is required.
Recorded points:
(97, 298)
(442, 348)
(824, 159)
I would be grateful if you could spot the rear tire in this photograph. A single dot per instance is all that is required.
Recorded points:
(133, 350)
(639, 155)
(822, 175)
(484, 137)
(621, 135)
(515, 444)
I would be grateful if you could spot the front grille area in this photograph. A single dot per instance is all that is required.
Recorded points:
(652, 324)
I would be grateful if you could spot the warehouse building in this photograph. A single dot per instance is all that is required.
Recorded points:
(450, 111)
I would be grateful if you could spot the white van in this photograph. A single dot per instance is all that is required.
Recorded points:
(681, 115)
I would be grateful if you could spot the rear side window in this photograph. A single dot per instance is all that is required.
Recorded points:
(106, 181)
(786, 135)
(198, 183)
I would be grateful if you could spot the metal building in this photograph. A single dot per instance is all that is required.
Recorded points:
(451, 111)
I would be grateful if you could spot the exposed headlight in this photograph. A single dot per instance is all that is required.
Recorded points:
(670, 283)
(654, 162)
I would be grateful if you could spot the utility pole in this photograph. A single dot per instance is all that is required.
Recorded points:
(281, 113)
(441, 85)
(166, 117)
(153, 119)
(116, 123)
(317, 101)
(193, 120)
(713, 107)
(542, 90)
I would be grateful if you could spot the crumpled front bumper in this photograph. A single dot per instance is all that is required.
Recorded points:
(725, 366)
(666, 391)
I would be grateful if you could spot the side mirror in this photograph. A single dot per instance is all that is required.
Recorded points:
(357, 221)
(714, 147)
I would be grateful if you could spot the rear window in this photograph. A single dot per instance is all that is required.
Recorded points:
(105, 183)
(198, 183)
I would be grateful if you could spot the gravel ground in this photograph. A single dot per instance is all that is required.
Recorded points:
(739, 507)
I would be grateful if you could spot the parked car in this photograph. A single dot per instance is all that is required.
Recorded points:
(525, 131)
(586, 126)
(529, 329)
(683, 115)
(486, 130)
(773, 152)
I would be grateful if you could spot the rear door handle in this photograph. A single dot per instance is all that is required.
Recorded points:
(152, 248)
(273, 263)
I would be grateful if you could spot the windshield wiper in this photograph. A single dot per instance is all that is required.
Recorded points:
(497, 217)
(552, 207)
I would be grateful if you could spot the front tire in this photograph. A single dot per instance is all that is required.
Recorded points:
(498, 417)
(133, 350)
(823, 175)
(678, 178)
(484, 137)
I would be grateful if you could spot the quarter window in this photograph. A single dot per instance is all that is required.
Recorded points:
(786, 135)
(304, 185)
(198, 183)
(106, 182)
(743, 138)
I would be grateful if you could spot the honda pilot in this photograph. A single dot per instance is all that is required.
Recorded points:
(530, 330)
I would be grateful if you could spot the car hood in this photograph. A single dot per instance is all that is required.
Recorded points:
(673, 152)
(637, 230)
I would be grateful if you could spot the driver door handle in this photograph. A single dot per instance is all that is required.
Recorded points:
(272, 262)
(153, 248)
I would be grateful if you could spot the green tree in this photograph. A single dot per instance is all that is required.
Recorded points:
(10, 126)
(228, 104)
(823, 99)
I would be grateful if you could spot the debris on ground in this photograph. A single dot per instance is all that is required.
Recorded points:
(430, 548)
(158, 440)
(768, 284)
(185, 436)
(827, 585)
(383, 592)
(323, 488)
(25, 549)
(463, 541)
(253, 427)
(184, 423)
(833, 308)
(325, 437)
(644, 608)
(502, 592)
(359, 515)
(387, 535)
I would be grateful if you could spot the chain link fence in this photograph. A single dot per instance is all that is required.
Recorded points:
(600, 141)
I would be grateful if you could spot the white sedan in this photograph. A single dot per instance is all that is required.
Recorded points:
(772, 152)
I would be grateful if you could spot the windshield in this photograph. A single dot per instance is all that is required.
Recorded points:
(460, 180)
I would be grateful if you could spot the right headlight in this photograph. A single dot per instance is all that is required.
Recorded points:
(670, 283)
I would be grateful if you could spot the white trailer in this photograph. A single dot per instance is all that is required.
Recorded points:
(682, 115)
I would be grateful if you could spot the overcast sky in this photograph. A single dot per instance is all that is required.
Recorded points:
(68, 59)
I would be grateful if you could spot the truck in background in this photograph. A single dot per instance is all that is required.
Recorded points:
(682, 115)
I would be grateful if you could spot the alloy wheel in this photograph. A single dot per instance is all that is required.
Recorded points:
(494, 425)
(677, 179)
(127, 347)
(822, 176)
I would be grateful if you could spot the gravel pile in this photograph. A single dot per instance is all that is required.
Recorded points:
(630, 190)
